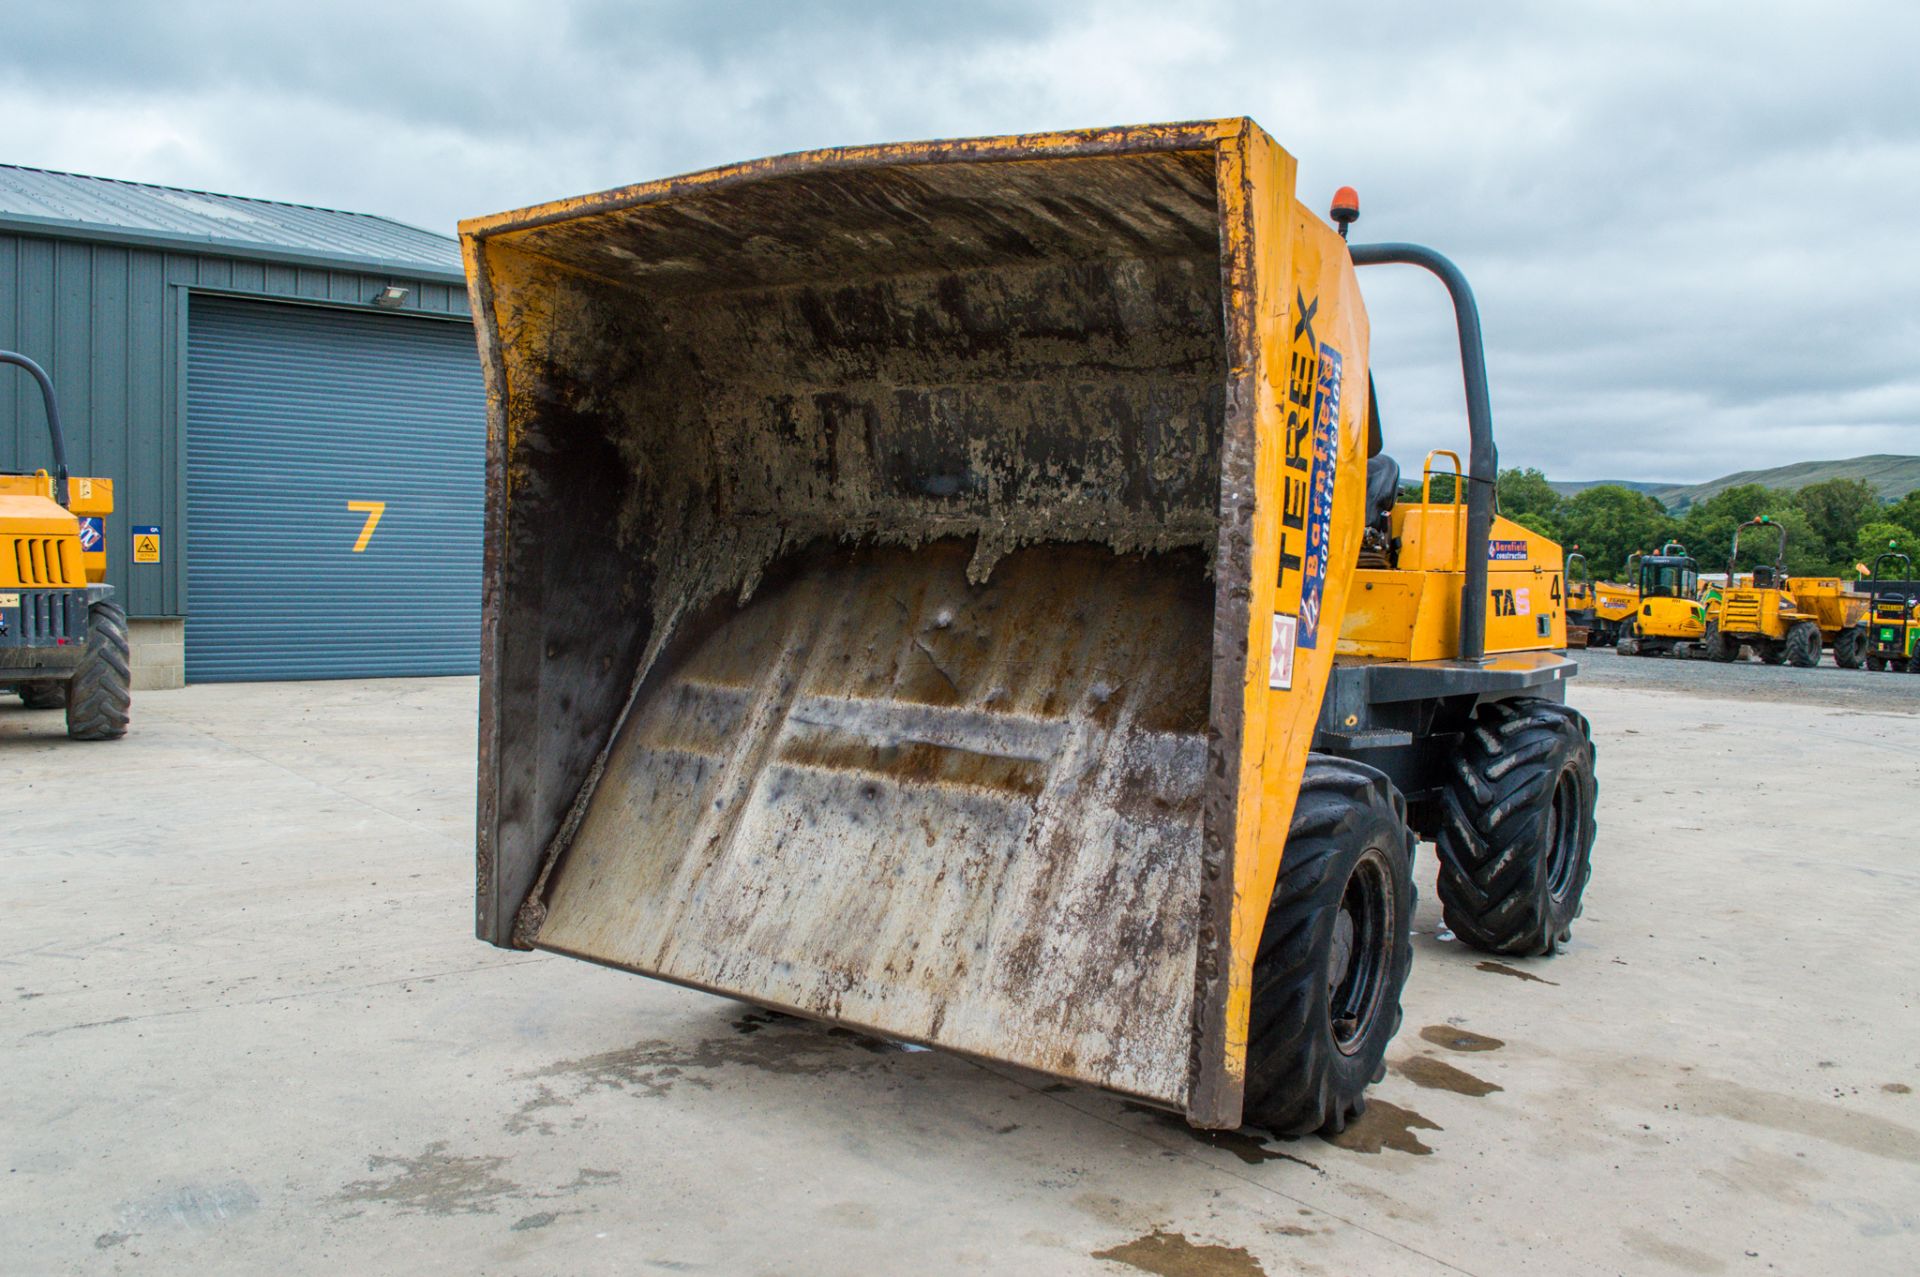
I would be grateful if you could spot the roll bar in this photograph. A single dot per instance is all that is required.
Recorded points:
(1780, 555)
(1483, 460)
(54, 432)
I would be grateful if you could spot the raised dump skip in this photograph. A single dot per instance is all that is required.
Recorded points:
(852, 617)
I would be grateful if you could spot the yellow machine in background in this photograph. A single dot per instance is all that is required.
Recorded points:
(1758, 612)
(925, 593)
(1839, 611)
(1668, 618)
(63, 640)
(1893, 615)
(1614, 605)
(1580, 617)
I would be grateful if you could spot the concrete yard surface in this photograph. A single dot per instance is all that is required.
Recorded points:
(248, 1030)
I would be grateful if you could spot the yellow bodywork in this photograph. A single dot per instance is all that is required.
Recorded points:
(40, 542)
(1615, 602)
(1671, 618)
(1829, 602)
(1743, 610)
(1412, 613)
(835, 498)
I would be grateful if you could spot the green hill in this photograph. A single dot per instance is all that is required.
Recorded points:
(1891, 476)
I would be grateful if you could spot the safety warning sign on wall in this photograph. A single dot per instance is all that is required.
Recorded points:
(146, 544)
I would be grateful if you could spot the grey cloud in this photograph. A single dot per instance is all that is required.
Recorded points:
(1687, 224)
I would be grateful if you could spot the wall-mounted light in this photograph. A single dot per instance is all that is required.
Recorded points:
(392, 297)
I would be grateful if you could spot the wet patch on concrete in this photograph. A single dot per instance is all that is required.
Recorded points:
(541, 1219)
(196, 1206)
(1247, 1145)
(1453, 1039)
(433, 1183)
(1173, 1255)
(1501, 968)
(1385, 1126)
(785, 1045)
(1437, 1075)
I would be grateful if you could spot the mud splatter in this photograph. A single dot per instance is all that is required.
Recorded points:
(523, 1118)
(1437, 1075)
(1896, 1088)
(107, 1241)
(1459, 1039)
(433, 1183)
(1385, 1126)
(528, 1222)
(1172, 1255)
(1501, 968)
(1243, 1144)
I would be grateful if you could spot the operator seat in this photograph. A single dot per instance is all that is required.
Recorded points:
(1377, 546)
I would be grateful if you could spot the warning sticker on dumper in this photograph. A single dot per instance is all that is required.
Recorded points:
(1280, 661)
(1513, 551)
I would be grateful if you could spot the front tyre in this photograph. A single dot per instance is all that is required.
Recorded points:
(1802, 647)
(1516, 827)
(99, 696)
(1721, 646)
(1849, 649)
(1334, 953)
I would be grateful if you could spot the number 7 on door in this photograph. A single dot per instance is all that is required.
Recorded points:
(373, 510)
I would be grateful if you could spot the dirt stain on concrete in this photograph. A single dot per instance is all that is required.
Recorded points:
(1671, 1253)
(1385, 1126)
(653, 1068)
(1453, 1039)
(433, 1183)
(1437, 1075)
(1896, 1088)
(1173, 1255)
(1816, 1119)
(1501, 968)
(107, 1241)
(1243, 1144)
(539, 1220)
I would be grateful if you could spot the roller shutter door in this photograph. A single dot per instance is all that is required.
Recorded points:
(302, 424)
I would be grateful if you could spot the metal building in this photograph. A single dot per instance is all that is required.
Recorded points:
(289, 403)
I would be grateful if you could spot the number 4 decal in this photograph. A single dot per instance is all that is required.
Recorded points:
(373, 510)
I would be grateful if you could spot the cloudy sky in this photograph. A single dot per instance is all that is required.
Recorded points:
(1692, 226)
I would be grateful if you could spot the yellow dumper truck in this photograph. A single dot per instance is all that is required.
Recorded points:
(957, 590)
(63, 639)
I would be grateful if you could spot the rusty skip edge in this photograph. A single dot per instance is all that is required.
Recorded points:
(1215, 1090)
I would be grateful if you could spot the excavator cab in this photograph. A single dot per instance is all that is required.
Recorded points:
(1668, 618)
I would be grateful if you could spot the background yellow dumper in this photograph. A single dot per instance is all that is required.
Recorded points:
(930, 586)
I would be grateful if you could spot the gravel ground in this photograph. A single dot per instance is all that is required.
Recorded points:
(1824, 684)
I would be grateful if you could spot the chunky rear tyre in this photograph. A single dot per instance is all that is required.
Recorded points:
(1802, 646)
(43, 695)
(99, 695)
(1516, 827)
(1721, 647)
(1849, 649)
(1334, 953)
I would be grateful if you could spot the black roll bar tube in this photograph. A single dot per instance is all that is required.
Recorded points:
(54, 432)
(1483, 460)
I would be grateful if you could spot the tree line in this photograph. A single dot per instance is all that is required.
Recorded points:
(1832, 527)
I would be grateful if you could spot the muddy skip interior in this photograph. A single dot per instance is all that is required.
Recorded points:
(855, 616)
